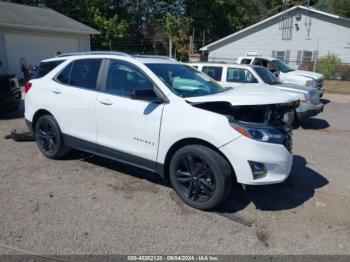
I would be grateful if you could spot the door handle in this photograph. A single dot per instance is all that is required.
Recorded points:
(57, 91)
(106, 102)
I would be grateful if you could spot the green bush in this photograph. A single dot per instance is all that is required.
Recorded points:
(329, 66)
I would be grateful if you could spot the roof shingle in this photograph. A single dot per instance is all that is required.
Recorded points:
(40, 18)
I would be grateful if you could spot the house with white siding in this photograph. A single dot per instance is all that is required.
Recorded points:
(30, 34)
(296, 35)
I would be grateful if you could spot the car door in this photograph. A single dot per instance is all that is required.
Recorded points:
(239, 76)
(72, 100)
(127, 129)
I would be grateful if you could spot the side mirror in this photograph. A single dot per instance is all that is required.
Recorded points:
(146, 95)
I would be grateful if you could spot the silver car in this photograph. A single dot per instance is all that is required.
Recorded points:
(233, 75)
(310, 104)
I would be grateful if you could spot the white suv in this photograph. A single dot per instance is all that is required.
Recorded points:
(165, 117)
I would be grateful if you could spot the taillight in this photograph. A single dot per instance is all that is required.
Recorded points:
(27, 86)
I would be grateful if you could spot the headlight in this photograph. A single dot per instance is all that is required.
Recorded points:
(314, 97)
(305, 99)
(270, 135)
(310, 83)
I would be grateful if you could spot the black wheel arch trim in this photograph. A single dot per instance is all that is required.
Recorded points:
(164, 168)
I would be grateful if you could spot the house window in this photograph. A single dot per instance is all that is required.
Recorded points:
(307, 56)
(280, 55)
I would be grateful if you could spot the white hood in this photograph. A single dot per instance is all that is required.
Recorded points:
(310, 74)
(293, 88)
(255, 94)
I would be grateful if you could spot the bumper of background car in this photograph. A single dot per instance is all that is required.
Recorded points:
(275, 158)
(9, 99)
(309, 110)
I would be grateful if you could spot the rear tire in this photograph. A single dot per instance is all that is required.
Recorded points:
(200, 176)
(49, 137)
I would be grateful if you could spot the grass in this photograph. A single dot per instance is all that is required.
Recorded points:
(337, 87)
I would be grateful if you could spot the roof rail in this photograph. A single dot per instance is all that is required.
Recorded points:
(95, 53)
(153, 56)
(210, 62)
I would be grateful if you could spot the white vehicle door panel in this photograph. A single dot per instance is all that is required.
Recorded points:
(130, 127)
(74, 109)
(73, 103)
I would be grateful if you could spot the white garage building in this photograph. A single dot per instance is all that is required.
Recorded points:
(299, 34)
(32, 34)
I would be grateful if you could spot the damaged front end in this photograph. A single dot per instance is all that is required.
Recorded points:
(271, 123)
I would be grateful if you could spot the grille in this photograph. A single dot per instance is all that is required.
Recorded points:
(315, 99)
(319, 83)
(288, 143)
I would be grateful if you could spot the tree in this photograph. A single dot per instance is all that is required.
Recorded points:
(341, 7)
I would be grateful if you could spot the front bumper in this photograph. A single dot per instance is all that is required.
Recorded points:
(275, 157)
(320, 92)
(309, 110)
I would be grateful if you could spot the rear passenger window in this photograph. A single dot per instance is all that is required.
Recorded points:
(246, 61)
(63, 77)
(84, 73)
(124, 78)
(214, 72)
(240, 75)
(46, 67)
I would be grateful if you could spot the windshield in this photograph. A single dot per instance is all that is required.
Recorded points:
(185, 81)
(281, 66)
(267, 76)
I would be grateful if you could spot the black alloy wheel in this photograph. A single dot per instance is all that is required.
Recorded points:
(46, 136)
(195, 178)
(49, 137)
(200, 176)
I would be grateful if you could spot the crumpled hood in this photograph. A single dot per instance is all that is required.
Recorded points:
(312, 75)
(250, 94)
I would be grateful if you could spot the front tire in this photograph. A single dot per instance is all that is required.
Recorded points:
(49, 137)
(200, 176)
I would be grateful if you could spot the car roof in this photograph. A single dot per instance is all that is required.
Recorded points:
(111, 54)
(253, 57)
(220, 64)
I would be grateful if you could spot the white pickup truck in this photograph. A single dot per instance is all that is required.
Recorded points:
(286, 74)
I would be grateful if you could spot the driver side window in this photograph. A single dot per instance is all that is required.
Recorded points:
(123, 79)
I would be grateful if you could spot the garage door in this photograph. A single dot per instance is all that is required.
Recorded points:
(35, 48)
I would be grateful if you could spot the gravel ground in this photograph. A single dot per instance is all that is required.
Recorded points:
(88, 205)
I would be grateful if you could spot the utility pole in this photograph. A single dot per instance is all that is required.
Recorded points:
(170, 46)
(316, 57)
(203, 40)
(192, 40)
